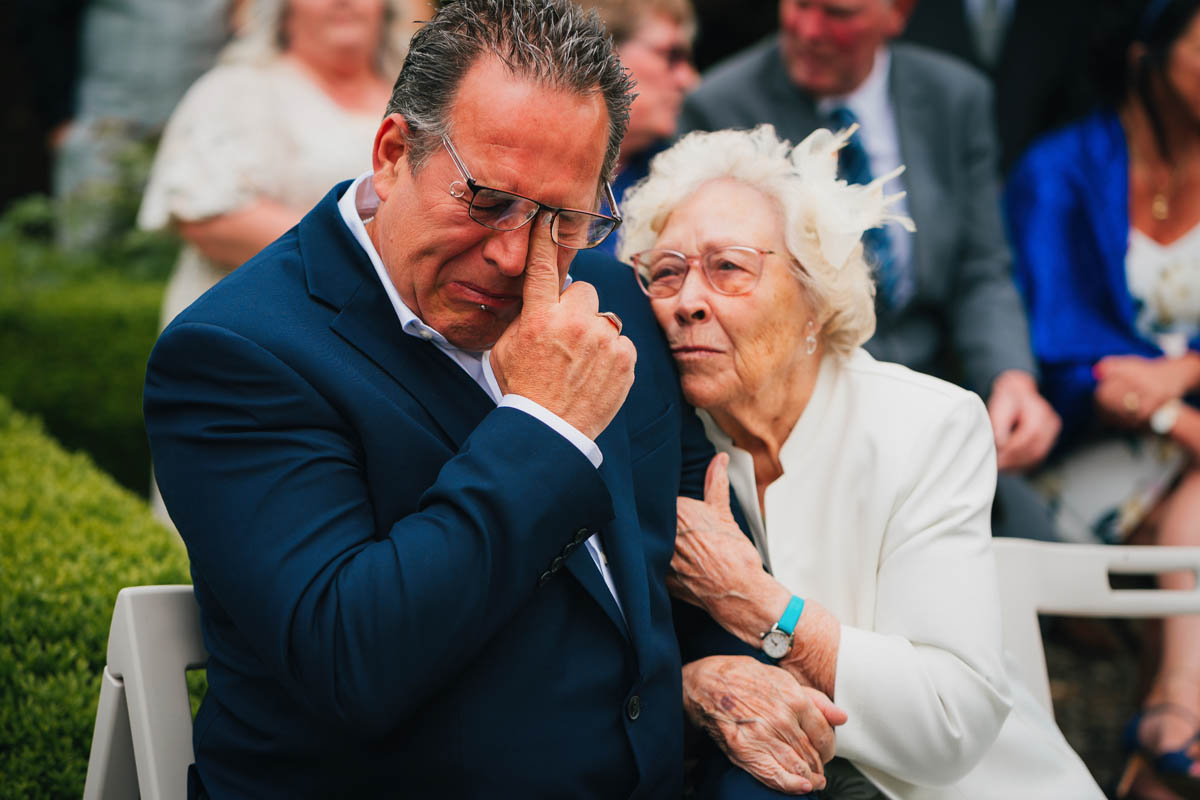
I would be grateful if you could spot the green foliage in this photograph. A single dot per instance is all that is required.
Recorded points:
(70, 539)
(76, 328)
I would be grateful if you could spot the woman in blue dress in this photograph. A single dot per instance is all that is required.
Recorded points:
(1105, 223)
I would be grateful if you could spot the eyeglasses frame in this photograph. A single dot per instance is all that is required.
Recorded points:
(699, 260)
(476, 187)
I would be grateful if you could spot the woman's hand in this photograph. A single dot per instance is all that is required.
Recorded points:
(1131, 388)
(763, 719)
(716, 566)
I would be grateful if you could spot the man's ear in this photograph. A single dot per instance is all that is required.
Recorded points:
(390, 154)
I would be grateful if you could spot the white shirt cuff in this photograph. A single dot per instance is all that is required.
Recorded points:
(564, 428)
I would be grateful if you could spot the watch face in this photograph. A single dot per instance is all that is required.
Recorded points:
(776, 643)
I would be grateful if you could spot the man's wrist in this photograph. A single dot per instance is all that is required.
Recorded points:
(1017, 380)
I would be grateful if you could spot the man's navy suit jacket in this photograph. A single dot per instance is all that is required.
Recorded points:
(392, 588)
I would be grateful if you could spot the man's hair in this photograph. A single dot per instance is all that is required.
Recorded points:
(622, 18)
(552, 43)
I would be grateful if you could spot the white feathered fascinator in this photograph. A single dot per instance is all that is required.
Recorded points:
(839, 212)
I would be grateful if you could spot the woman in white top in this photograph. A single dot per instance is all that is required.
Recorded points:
(290, 110)
(868, 486)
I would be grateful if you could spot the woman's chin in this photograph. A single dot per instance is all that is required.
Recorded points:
(703, 392)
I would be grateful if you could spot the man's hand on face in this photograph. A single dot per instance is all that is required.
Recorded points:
(1024, 424)
(559, 352)
(763, 719)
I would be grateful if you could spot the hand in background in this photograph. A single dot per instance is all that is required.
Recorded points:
(763, 719)
(1024, 424)
(1131, 388)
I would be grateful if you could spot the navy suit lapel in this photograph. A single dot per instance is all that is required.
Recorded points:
(340, 274)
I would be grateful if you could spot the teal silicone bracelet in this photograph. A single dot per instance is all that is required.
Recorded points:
(791, 614)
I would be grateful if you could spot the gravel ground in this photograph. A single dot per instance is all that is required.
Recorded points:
(1096, 681)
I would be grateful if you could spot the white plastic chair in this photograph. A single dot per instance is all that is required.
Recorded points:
(1072, 580)
(142, 744)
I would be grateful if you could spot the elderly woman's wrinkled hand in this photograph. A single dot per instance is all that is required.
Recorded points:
(715, 565)
(763, 719)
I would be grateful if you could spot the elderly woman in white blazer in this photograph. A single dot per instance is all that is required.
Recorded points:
(867, 486)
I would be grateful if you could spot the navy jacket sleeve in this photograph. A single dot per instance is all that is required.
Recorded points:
(264, 478)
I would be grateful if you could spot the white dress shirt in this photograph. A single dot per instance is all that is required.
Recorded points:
(359, 203)
(873, 107)
(883, 515)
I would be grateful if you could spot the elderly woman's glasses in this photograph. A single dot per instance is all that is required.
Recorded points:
(730, 270)
(505, 211)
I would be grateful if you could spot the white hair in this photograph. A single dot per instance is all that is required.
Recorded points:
(823, 217)
(261, 38)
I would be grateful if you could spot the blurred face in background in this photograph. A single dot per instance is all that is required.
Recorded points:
(1183, 69)
(327, 26)
(659, 56)
(829, 46)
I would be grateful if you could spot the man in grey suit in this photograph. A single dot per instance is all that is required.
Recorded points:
(947, 304)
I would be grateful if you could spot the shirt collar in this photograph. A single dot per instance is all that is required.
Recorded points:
(358, 204)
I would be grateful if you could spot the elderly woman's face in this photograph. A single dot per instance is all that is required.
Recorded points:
(334, 24)
(727, 347)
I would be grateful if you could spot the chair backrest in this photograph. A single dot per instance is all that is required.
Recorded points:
(1073, 580)
(144, 721)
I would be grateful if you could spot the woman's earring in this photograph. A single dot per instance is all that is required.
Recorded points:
(810, 341)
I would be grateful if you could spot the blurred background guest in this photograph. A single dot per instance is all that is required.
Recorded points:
(654, 41)
(289, 111)
(1034, 51)
(867, 486)
(946, 302)
(1105, 219)
(137, 58)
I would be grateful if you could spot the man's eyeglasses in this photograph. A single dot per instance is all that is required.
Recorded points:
(730, 270)
(505, 211)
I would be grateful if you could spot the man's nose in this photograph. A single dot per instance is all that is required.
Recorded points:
(508, 250)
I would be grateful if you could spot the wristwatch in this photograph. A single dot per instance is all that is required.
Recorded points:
(1163, 419)
(777, 642)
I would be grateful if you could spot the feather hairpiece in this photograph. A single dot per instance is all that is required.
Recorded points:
(840, 212)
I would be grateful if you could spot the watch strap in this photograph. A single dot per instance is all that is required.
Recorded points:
(791, 615)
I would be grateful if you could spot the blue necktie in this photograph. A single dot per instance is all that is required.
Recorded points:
(855, 167)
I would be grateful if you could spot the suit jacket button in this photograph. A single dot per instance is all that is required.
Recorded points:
(545, 576)
(568, 549)
(633, 708)
(582, 535)
(556, 564)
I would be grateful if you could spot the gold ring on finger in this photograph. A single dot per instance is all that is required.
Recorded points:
(613, 318)
(1131, 401)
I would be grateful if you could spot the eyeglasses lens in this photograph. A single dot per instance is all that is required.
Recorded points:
(501, 210)
(730, 270)
(579, 230)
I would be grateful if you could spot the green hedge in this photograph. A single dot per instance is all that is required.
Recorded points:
(70, 539)
(76, 329)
